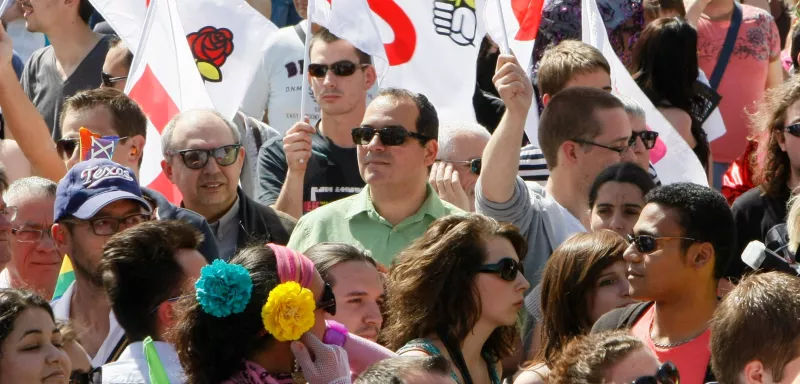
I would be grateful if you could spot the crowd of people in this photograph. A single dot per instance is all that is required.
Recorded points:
(372, 241)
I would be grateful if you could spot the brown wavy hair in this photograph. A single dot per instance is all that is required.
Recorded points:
(431, 284)
(771, 164)
(587, 358)
(568, 281)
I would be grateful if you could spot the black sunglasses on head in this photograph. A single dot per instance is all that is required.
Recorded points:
(198, 158)
(339, 68)
(648, 138)
(328, 301)
(507, 268)
(109, 81)
(667, 374)
(390, 136)
(474, 164)
(647, 243)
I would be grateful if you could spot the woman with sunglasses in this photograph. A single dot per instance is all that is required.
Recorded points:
(664, 65)
(582, 280)
(611, 357)
(456, 292)
(246, 321)
(617, 197)
(31, 346)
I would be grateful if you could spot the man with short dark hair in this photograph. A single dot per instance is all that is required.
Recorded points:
(203, 157)
(753, 336)
(71, 63)
(408, 370)
(96, 199)
(353, 274)
(117, 65)
(680, 248)
(145, 269)
(396, 145)
(312, 167)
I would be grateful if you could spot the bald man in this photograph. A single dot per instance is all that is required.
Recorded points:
(203, 157)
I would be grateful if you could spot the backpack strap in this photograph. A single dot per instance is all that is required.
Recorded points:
(727, 47)
(300, 32)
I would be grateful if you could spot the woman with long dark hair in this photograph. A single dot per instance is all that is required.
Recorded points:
(665, 67)
(456, 292)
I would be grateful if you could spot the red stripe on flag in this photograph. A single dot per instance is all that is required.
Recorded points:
(528, 14)
(159, 107)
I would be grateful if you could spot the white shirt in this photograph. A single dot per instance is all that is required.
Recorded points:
(131, 367)
(278, 81)
(61, 309)
(5, 279)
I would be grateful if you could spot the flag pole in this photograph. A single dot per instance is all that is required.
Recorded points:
(306, 59)
(505, 47)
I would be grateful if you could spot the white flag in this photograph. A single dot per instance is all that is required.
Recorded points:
(673, 159)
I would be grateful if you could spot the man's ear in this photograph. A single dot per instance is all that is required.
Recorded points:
(61, 238)
(755, 373)
(431, 150)
(167, 169)
(371, 76)
(136, 148)
(569, 153)
(704, 255)
(546, 99)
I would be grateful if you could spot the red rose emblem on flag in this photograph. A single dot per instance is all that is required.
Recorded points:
(211, 47)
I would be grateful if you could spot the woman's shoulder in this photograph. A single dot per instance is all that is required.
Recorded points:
(536, 374)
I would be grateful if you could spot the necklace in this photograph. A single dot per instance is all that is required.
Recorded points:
(671, 345)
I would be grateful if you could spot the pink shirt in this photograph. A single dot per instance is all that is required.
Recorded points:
(743, 84)
(691, 358)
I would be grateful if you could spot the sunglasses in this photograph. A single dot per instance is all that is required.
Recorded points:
(474, 164)
(507, 268)
(109, 81)
(647, 243)
(793, 129)
(390, 136)
(667, 374)
(198, 158)
(78, 377)
(66, 147)
(328, 301)
(339, 68)
(648, 138)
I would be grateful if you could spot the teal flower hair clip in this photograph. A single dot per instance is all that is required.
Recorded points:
(223, 289)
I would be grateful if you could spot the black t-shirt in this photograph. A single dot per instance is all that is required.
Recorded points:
(332, 173)
(754, 215)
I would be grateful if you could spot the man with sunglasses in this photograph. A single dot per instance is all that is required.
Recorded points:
(145, 270)
(680, 248)
(312, 167)
(203, 157)
(35, 261)
(455, 172)
(396, 144)
(95, 200)
(116, 66)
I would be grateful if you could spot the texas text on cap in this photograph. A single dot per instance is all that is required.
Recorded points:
(91, 185)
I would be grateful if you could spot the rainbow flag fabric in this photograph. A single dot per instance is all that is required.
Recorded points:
(65, 277)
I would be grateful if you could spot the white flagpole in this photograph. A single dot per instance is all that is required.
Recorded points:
(505, 47)
(304, 89)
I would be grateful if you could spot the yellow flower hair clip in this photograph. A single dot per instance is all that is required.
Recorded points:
(289, 311)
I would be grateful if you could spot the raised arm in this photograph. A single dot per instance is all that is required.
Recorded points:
(501, 156)
(24, 122)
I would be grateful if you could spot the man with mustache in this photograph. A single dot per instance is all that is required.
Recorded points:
(313, 167)
(203, 157)
(396, 145)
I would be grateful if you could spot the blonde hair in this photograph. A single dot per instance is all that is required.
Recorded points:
(793, 223)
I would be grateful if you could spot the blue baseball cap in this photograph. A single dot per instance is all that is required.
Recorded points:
(91, 185)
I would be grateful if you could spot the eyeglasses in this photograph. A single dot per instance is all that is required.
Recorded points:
(198, 158)
(339, 68)
(170, 300)
(9, 212)
(109, 81)
(648, 138)
(390, 136)
(647, 243)
(328, 301)
(621, 149)
(667, 374)
(30, 235)
(107, 226)
(507, 268)
(474, 164)
(66, 146)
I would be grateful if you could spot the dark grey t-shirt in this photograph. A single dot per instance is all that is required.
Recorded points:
(47, 91)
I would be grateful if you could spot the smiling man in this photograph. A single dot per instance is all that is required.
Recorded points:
(396, 144)
(680, 248)
(203, 157)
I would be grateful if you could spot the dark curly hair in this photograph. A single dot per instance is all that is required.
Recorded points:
(212, 349)
(15, 301)
(432, 283)
(771, 163)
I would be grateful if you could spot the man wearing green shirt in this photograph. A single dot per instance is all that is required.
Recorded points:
(396, 145)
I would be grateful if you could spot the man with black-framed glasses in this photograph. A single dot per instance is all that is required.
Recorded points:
(679, 249)
(35, 261)
(145, 270)
(203, 157)
(96, 199)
